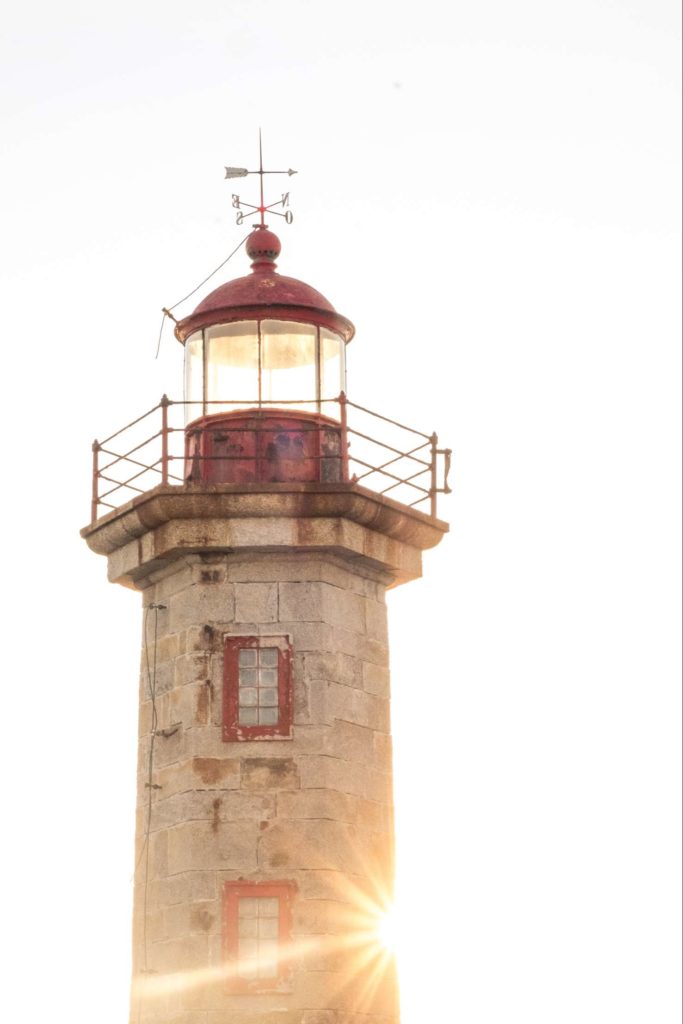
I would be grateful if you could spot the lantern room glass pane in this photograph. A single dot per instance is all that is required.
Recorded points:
(331, 371)
(288, 372)
(194, 376)
(232, 366)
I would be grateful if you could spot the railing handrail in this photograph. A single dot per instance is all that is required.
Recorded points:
(159, 466)
(131, 424)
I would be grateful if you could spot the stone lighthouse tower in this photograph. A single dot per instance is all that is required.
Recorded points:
(263, 524)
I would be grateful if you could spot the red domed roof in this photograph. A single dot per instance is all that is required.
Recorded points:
(264, 294)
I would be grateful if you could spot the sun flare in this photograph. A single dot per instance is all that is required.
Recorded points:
(387, 930)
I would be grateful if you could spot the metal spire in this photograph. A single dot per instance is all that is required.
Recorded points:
(240, 205)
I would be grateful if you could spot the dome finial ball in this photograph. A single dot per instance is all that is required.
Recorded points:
(263, 244)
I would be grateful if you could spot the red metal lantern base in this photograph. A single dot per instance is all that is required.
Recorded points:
(265, 446)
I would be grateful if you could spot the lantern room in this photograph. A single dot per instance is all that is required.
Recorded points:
(265, 377)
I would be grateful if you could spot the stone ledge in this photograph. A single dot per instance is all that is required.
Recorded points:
(154, 529)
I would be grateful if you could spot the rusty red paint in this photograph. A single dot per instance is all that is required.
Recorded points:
(233, 892)
(263, 244)
(232, 730)
(264, 294)
(265, 311)
(265, 447)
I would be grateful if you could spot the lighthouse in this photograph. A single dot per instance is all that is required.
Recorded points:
(263, 516)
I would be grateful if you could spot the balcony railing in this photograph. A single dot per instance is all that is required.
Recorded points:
(382, 454)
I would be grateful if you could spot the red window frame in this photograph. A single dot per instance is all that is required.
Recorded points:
(233, 892)
(232, 730)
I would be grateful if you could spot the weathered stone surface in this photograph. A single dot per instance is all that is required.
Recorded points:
(333, 666)
(358, 707)
(198, 846)
(187, 1017)
(350, 741)
(196, 805)
(376, 620)
(208, 742)
(324, 917)
(383, 750)
(290, 566)
(252, 1016)
(343, 608)
(187, 953)
(269, 774)
(185, 887)
(346, 777)
(202, 604)
(214, 771)
(375, 678)
(300, 602)
(327, 884)
(153, 530)
(191, 668)
(197, 773)
(168, 749)
(320, 844)
(308, 636)
(309, 699)
(256, 602)
(158, 855)
(316, 804)
(161, 679)
(313, 809)
(346, 642)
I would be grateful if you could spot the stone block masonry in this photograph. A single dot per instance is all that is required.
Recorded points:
(308, 809)
(314, 809)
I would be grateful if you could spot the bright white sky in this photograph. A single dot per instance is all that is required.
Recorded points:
(490, 191)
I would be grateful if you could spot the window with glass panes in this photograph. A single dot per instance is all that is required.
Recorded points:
(256, 927)
(257, 688)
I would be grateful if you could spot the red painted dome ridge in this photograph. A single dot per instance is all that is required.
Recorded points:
(263, 291)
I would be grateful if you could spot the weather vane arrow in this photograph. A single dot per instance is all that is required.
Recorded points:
(242, 172)
(239, 204)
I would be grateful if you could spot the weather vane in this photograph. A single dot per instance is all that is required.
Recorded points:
(239, 204)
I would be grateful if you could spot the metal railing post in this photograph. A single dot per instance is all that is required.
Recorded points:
(344, 436)
(95, 481)
(432, 489)
(165, 402)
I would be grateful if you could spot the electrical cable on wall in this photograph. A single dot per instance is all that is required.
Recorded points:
(144, 850)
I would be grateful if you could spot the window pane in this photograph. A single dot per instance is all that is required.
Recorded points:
(268, 716)
(248, 716)
(331, 370)
(248, 677)
(248, 907)
(248, 927)
(194, 376)
(268, 677)
(269, 907)
(248, 697)
(288, 364)
(268, 698)
(249, 948)
(268, 952)
(268, 927)
(268, 656)
(232, 366)
(248, 656)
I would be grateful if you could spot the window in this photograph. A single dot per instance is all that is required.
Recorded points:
(257, 925)
(247, 362)
(257, 688)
